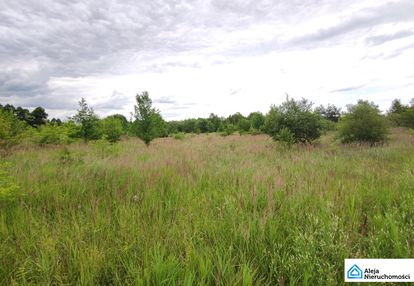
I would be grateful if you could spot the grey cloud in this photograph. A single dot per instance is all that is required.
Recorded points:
(391, 12)
(47, 101)
(165, 100)
(108, 37)
(381, 39)
(234, 91)
(399, 51)
(117, 101)
(345, 89)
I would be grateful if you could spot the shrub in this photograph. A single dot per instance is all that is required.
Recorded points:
(363, 123)
(257, 120)
(112, 129)
(148, 123)
(254, 131)
(52, 134)
(179, 136)
(228, 130)
(88, 122)
(11, 130)
(286, 137)
(295, 116)
(244, 125)
(407, 118)
(328, 125)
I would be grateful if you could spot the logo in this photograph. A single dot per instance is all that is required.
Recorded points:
(354, 272)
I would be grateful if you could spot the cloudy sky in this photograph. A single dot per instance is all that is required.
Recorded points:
(202, 56)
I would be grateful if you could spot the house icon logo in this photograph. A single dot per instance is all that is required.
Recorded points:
(354, 272)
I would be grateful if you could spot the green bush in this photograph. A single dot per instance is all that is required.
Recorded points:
(244, 125)
(254, 131)
(52, 134)
(286, 137)
(296, 116)
(179, 136)
(227, 130)
(11, 130)
(87, 121)
(407, 118)
(112, 129)
(363, 123)
(328, 125)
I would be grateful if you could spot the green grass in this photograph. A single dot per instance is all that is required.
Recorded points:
(206, 210)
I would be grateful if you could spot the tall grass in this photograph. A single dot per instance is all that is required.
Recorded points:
(206, 210)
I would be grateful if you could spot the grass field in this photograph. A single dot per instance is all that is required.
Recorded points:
(206, 210)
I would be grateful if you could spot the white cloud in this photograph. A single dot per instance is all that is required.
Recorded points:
(197, 57)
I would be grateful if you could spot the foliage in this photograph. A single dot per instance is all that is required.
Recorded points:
(285, 136)
(401, 115)
(39, 117)
(35, 118)
(202, 125)
(227, 130)
(52, 134)
(112, 129)
(123, 120)
(297, 117)
(397, 107)
(363, 123)
(257, 120)
(214, 121)
(179, 136)
(234, 119)
(11, 130)
(244, 125)
(88, 122)
(331, 112)
(328, 125)
(148, 122)
(407, 118)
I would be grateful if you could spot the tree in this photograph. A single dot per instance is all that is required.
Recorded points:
(202, 125)
(55, 121)
(122, 119)
(24, 115)
(88, 122)
(11, 129)
(189, 126)
(244, 125)
(397, 107)
(407, 118)
(214, 121)
(304, 126)
(112, 128)
(363, 123)
(235, 118)
(148, 122)
(396, 113)
(257, 120)
(39, 117)
(331, 112)
(52, 134)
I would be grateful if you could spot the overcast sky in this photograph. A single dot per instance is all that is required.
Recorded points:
(203, 56)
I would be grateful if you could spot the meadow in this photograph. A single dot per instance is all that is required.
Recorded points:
(205, 210)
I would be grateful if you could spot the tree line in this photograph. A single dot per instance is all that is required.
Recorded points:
(293, 121)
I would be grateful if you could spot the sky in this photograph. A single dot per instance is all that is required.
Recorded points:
(204, 56)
